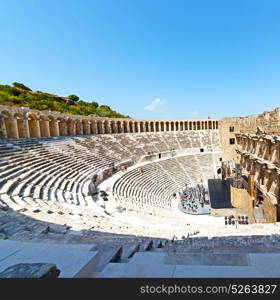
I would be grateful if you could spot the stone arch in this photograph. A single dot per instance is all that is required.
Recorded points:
(172, 126)
(62, 125)
(190, 125)
(157, 127)
(167, 126)
(53, 124)
(93, 127)
(71, 128)
(79, 129)
(113, 126)
(86, 126)
(22, 125)
(136, 126)
(176, 126)
(147, 127)
(162, 127)
(107, 128)
(209, 125)
(152, 124)
(202, 125)
(119, 127)
(33, 125)
(181, 126)
(186, 126)
(217, 125)
(125, 130)
(198, 125)
(44, 126)
(205, 125)
(131, 126)
(99, 127)
(194, 126)
(141, 127)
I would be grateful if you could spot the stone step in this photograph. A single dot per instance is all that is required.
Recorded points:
(107, 254)
(153, 258)
(71, 260)
(209, 259)
(129, 250)
(137, 270)
(146, 245)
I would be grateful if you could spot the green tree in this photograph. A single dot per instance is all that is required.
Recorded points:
(74, 98)
(94, 104)
(21, 86)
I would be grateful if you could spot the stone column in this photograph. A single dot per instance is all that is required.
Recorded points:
(93, 127)
(54, 128)
(23, 128)
(3, 131)
(120, 127)
(147, 127)
(86, 127)
(34, 127)
(152, 126)
(44, 128)
(62, 128)
(13, 128)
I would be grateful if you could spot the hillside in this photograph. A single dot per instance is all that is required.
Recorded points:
(20, 95)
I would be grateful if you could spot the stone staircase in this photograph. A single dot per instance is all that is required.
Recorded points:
(221, 257)
(184, 259)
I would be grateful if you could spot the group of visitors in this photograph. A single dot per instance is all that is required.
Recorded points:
(193, 197)
(241, 220)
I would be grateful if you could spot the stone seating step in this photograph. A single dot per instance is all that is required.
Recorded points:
(207, 259)
(107, 253)
(71, 260)
(129, 250)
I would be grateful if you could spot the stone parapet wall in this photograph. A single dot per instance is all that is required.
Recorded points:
(24, 123)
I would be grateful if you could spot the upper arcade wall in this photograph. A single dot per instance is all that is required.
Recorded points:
(268, 121)
(24, 123)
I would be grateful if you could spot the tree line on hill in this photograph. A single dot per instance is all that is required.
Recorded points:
(20, 95)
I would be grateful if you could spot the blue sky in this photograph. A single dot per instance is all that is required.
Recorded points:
(165, 59)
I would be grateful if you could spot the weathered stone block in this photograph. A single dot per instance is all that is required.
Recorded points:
(26, 270)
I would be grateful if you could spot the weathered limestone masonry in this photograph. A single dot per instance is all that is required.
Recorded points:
(21, 123)
(228, 127)
(254, 141)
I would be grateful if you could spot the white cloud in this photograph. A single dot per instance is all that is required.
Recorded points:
(155, 104)
(194, 113)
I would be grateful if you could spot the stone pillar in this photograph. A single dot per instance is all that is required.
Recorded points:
(147, 127)
(54, 128)
(44, 128)
(93, 127)
(131, 127)
(13, 128)
(34, 127)
(70, 127)
(62, 128)
(23, 128)
(86, 127)
(3, 132)
(152, 126)
(120, 127)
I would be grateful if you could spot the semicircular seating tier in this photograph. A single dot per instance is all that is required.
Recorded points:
(60, 169)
